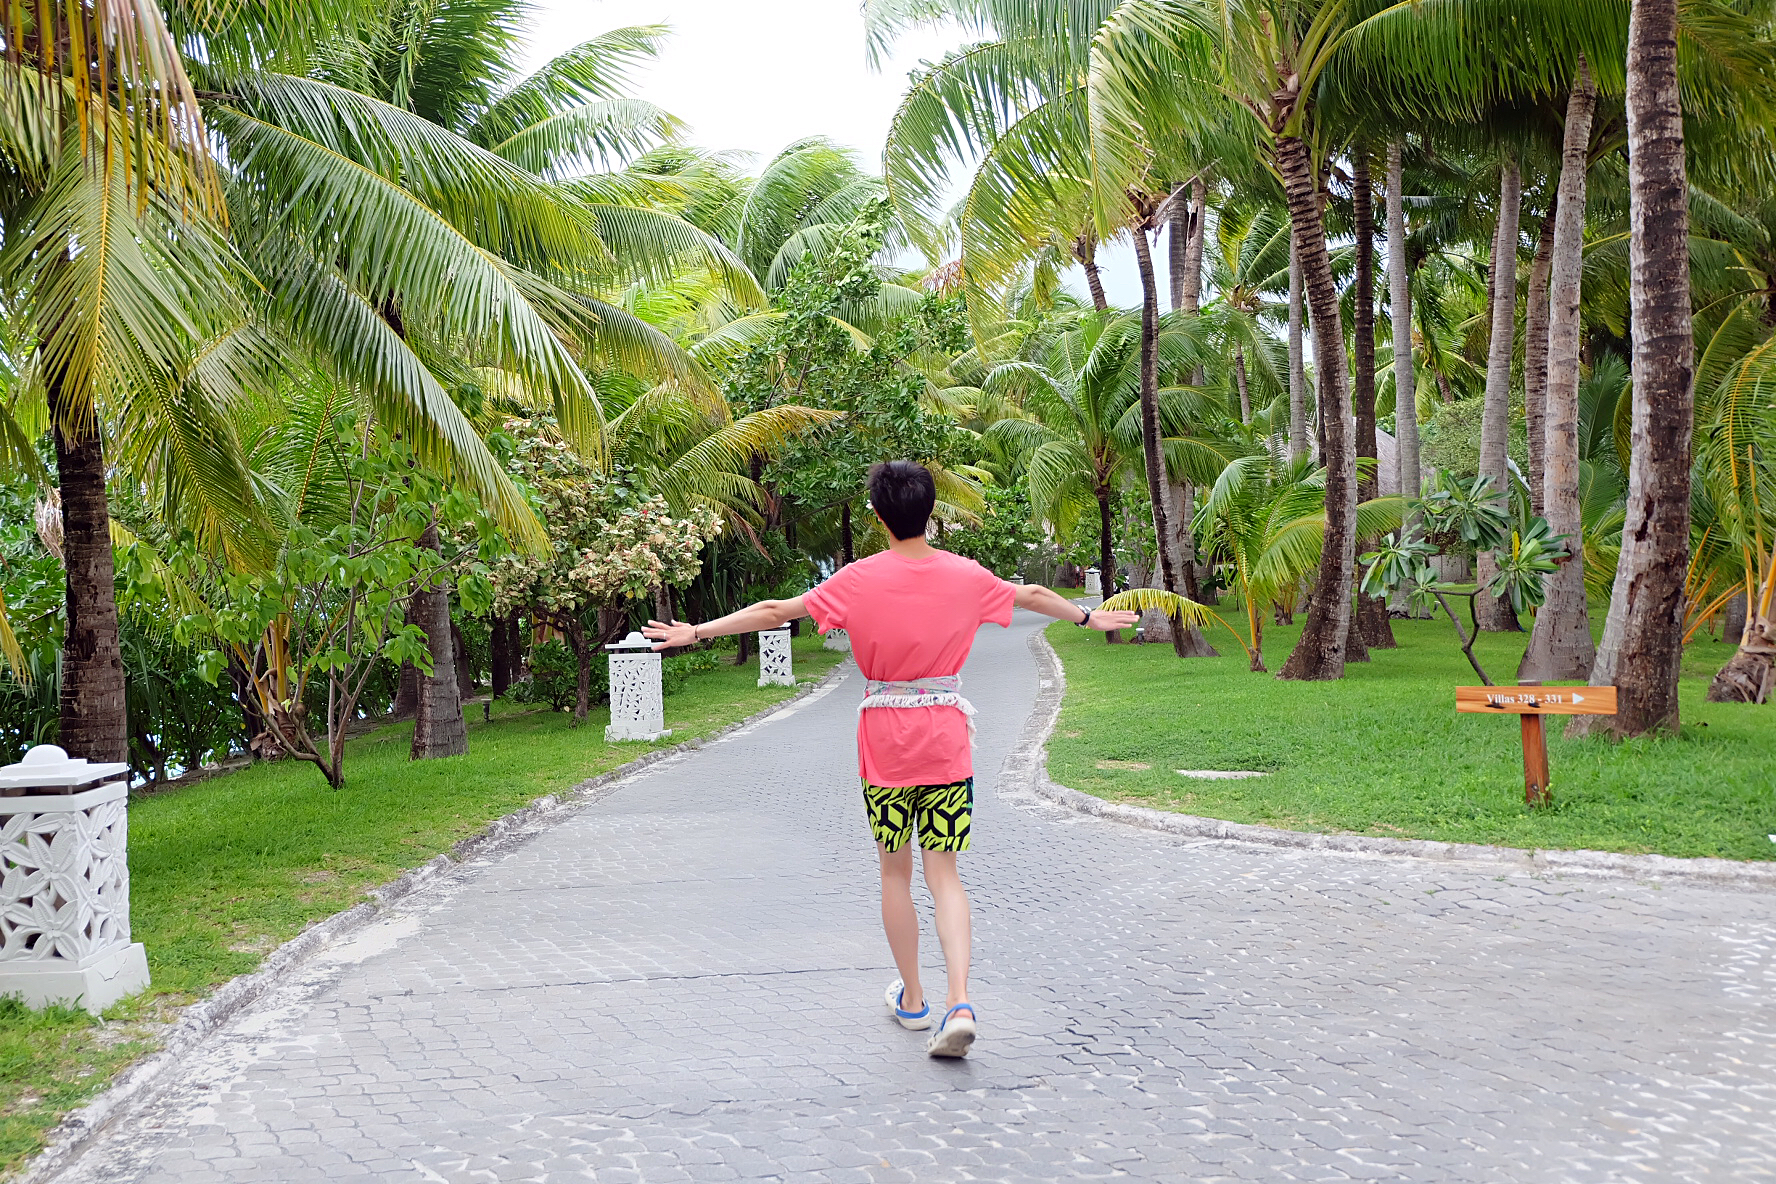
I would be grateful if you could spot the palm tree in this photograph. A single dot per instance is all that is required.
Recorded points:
(1400, 312)
(1495, 613)
(1560, 646)
(1248, 268)
(1266, 519)
(127, 303)
(1642, 647)
(418, 122)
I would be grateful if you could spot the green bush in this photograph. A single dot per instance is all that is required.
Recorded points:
(555, 677)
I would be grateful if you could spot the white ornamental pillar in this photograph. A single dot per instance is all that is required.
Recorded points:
(837, 639)
(638, 704)
(1094, 582)
(64, 887)
(776, 665)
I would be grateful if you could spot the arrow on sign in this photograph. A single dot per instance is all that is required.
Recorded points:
(1578, 698)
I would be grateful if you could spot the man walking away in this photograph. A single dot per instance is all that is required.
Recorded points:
(912, 612)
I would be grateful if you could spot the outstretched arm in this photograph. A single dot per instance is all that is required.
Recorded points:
(1038, 599)
(766, 614)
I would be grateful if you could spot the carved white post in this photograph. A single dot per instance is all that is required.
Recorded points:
(837, 639)
(776, 665)
(64, 891)
(638, 705)
(1094, 582)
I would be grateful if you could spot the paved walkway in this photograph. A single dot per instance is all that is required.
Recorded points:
(683, 983)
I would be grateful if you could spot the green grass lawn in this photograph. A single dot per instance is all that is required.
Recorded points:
(1383, 752)
(224, 871)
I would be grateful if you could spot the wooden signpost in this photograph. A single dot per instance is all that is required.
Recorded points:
(1530, 703)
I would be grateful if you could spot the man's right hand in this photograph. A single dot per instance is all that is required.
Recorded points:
(672, 636)
(1105, 620)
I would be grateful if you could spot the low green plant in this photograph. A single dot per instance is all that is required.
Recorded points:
(1465, 514)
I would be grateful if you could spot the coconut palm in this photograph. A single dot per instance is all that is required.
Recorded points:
(124, 304)
(1266, 520)
(1642, 647)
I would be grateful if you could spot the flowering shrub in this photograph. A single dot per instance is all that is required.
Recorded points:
(609, 541)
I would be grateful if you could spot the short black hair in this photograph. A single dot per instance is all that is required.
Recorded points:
(902, 494)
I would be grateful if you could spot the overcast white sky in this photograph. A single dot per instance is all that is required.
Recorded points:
(755, 74)
(760, 74)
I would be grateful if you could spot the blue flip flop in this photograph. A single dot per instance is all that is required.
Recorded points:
(916, 1021)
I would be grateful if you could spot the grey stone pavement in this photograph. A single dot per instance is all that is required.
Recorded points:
(682, 982)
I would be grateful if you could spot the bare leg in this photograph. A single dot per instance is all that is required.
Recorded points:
(954, 930)
(900, 920)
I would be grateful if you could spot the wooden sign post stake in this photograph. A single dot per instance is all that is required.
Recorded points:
(1532, 702)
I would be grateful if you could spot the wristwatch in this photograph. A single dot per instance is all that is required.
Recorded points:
(1085, 620)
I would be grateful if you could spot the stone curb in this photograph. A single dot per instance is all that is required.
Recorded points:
(76, 1132)
(1028, 764)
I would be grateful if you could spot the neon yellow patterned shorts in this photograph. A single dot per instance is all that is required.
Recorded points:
(942, 813)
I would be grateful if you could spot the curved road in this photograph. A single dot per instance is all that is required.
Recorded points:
(682, 982)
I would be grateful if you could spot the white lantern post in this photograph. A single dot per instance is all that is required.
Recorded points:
(837, 639)
(64, 882)
(776, 664)
(638, 703)
(1094, 582)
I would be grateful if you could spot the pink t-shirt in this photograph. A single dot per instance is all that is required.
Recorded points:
(912, 619)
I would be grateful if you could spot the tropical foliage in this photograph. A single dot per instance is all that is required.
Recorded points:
(346, 363)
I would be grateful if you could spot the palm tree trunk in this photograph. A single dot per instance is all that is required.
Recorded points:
(406, 691)
(1642, 645)
(1107, 553)
(1495, 612)
(1400, 298)
(94, 722)
(1535, 357)
(1240, 382)
(1560, 646)
(1297, 358)
(1106, 544)
(1086, 251)
(1373, 627)
(438, 728)
(1320, 653)
(1188, 226)
(1363, 310)
(1178, 242)
(1151, 451)
(847, 547)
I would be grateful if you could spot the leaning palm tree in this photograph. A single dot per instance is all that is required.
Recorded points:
(443, 214)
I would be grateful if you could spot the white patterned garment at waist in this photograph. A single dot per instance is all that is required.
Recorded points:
(944, 690)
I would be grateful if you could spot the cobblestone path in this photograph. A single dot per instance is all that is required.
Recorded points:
(683, 982)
